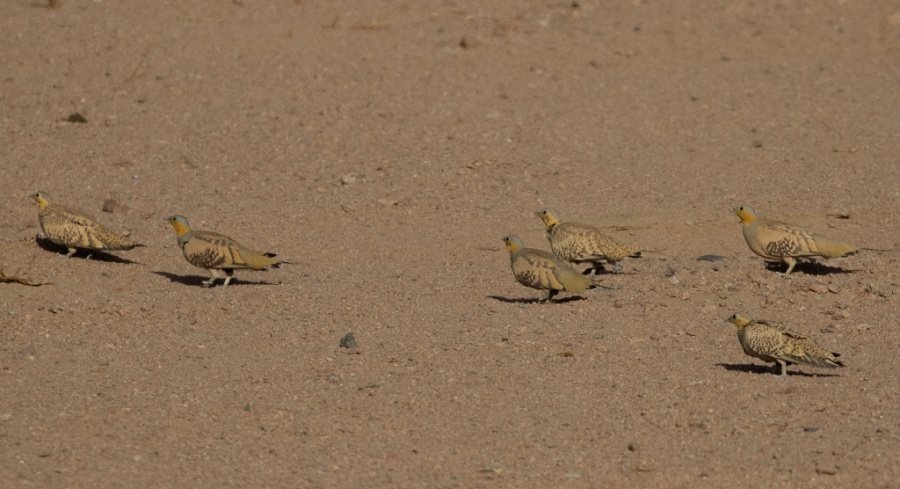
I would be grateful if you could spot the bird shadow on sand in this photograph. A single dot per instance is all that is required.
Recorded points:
(808, 268)
(197, 280)
(96, 255)
(534, 300)
(767, 370)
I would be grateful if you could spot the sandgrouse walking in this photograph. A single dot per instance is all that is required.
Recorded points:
(542, 270)
(74, 229)
(580, 243)
(773, 342)
(778, 241)
(214, 252)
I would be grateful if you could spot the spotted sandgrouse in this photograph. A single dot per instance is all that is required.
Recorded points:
(580, 243)
(773, 342)
(76, 230)
(542, 270)
(214, 252)
(778, 241)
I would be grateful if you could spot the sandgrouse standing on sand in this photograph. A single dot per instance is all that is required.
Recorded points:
(214, 252)
(773, 342)
(542, 270)
(580, 243)
(778, 241)
(74, 229)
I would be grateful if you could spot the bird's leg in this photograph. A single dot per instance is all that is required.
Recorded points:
(71, 251)
(550, 294)
(780, 368)
(791, 262)
(228, 274)
(214, 274)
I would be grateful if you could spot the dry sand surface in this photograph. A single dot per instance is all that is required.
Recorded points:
(385, 148)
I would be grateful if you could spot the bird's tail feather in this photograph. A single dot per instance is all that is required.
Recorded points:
(834, 249)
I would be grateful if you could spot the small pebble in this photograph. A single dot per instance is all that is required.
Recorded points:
(351, 178)
(110, 205)
(348, 341)
(818, 288)
(712, 258)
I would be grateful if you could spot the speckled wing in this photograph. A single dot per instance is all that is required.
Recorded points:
(775, 240)
(541, 270)
(800, 349)
(210, 250)
(76, 229)
(761, 339)
(582, 243)
(772, 341)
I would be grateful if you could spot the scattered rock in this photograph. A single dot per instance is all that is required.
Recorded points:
(710, 258)
(113, 205)
(834, 289)
(351, 178)
(76, 117)
(348, 341)
(818, 288)
(810, 429)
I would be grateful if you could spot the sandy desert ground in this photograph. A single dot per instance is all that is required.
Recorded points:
(385, 148)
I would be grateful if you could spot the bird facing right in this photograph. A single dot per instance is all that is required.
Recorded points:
(213, 251)
(580, 243)
(773, 342)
